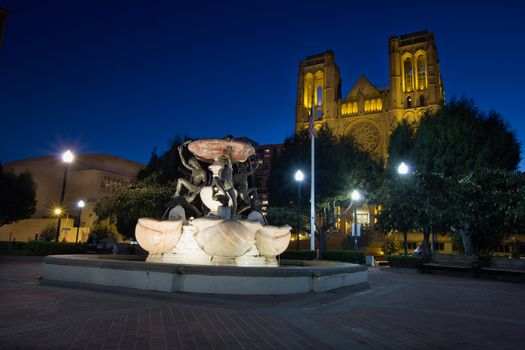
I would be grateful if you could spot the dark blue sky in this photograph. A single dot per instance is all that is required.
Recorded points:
(123, 77)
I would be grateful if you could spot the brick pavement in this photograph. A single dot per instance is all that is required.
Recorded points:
(398, 311)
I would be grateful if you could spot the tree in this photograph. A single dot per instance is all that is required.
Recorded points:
(143, 198)
(17, 197)
(454, 154)
(340, 167)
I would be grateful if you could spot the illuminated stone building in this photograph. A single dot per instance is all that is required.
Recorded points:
(367, 112)
(370, 113)
(90, 177)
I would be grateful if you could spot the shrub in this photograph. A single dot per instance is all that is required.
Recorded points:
(49, 232)
(391, 244)
(298, 255)
(364, 240)
(405, 261)
(39, 247)
(345, 256)
(100, 231)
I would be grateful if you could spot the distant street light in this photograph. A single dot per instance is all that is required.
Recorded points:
(402, 169)
(67, 158)
(299, 177)
(80, 205)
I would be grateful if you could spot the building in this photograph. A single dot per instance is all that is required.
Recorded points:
(265, 154)
(370, 113)
(89, 178)
(367, 112)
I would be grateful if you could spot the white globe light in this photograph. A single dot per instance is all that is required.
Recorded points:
(299, 176)
(402, 168)
(356, 196)
(68, 156)
(81, 204)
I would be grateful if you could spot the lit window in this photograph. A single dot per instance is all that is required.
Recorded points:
(409, 102)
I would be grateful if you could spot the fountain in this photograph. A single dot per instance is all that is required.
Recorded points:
(214, 239)
(224, 236)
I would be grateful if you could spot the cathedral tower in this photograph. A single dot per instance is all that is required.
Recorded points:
(318, 82)
(415, 79)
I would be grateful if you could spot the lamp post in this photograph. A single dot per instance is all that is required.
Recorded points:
(299, 177)
(403, 170)
(356, 198)
(67, 158)
(80, 205)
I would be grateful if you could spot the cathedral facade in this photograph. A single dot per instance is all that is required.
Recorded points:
(367, 112)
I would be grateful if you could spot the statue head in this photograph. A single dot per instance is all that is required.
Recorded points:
(194, 163)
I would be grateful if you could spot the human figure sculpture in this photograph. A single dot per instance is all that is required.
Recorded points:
(240, 181)
(197, 179)
(222, 182)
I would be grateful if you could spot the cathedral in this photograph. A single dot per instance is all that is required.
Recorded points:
(367, 112)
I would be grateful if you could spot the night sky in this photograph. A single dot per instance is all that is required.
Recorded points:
(124, 77)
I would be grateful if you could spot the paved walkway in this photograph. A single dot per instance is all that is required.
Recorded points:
(400, 310)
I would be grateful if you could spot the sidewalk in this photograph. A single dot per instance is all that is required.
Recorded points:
(398, 311)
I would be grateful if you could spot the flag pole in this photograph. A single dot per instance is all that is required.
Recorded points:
(312, 178)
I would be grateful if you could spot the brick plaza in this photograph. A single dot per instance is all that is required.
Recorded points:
(400, 309)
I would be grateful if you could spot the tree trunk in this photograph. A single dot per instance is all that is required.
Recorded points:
(426, 245)
(405, 243)
(465, 238)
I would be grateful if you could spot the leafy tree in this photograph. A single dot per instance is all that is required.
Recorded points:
(340, 167)
(362, 241)
(144, 198)
(391, 245)
(17, 197)
(454, 154)
(49, 232)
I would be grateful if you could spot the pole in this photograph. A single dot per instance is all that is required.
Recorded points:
(355, 230)
(62, 194)
(298, 213)
(79, 221)
(312, 185)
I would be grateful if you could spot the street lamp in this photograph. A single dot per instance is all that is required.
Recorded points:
(67, 158)
(80, 205)
(299, 177)
(403, 170)
(356, 198)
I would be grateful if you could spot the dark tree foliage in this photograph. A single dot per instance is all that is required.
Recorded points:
(167, 167)
(340, 167)
(17, 197)
(458, 157)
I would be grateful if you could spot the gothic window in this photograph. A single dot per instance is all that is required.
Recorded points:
(422, 100)
(367, 105)
(421, 64)
(344, 109)
(379, 104)
(355, 109)
(319, 114)
(409, 74)
(308, 90)
(319, 95)
(373, 105)
(409, 102)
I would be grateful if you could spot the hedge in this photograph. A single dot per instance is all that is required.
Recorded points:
(334, 255)
(298, 255)
(345, 256)
(405, 261)
(47, 248)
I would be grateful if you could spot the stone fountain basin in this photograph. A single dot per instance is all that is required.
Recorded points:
(131, 271)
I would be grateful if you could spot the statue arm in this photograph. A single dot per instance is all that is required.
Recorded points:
(186, 165)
